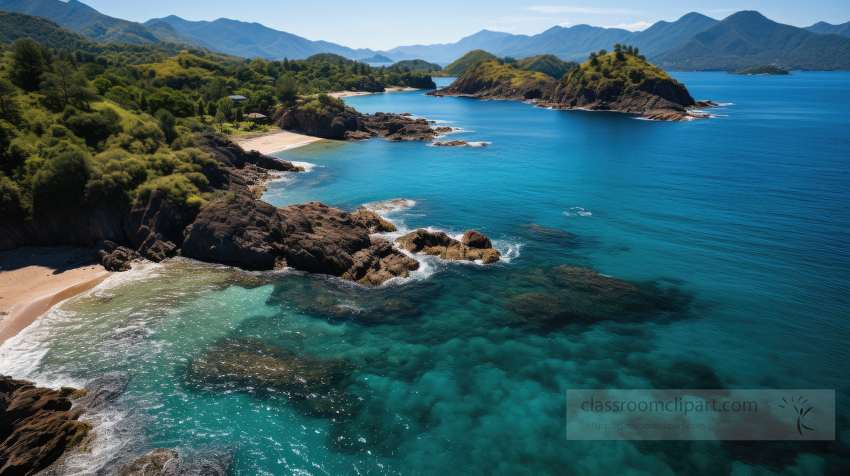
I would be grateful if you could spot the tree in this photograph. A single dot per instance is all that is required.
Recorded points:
(618, 47)
(287, 91)
(9, 108)
(202, 108)
(27, 65)
(603, 52)
(167, 124)
(225, 105)
(66, 86)
(239, 114)
(143, 104)
(211, 109)
(220, 120)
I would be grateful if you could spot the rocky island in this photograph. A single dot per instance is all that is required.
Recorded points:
(766, 70)
(621, 81)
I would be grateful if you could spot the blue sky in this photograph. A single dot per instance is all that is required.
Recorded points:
(385, 24)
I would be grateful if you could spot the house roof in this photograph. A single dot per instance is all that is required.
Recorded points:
(256, 115)
(238, 98)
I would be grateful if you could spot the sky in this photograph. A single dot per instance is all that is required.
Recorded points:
(382, 25)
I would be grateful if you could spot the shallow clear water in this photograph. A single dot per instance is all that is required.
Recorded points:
(744, 215)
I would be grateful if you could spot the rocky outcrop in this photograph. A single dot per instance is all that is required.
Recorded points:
(352, 125)
(457, 143)
(114, 257)
(474, 246)
(661, 100)
(311, 237)
(37, 425)
(373, 222)
(159, 462)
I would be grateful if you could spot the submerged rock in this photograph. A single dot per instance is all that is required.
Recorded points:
(476, 246)
(390, 205)
(252, 366)
(159, 462)
(581, 295)
(37, 426)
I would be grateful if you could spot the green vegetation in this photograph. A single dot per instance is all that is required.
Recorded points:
(618, 72)
(766, 69)
(465, 62)
(83, 124)
(507, 74)
(547, 64)
(417, 65)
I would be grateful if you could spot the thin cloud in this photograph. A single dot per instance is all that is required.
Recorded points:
(566, 23)
(595, 11)
(500, 29)
(637, 26)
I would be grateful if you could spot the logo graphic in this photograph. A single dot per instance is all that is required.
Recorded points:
(800, 412)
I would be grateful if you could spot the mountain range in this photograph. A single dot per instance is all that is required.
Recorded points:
(693, 42)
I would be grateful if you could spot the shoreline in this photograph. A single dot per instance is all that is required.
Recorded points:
(276, 141)
(33, 280)
(346, 94)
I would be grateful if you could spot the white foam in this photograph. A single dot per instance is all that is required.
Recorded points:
(577, 212)
(479, 144)
(393, 205)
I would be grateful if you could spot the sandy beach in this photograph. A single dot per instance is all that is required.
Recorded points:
(275, 141)
(345, 94)
(32, 280)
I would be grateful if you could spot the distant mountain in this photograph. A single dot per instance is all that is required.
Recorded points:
(15, 25)
(747, 39)
(87, 21)
(825, 28)
(376, 59)
(573, 43)
(252, 40)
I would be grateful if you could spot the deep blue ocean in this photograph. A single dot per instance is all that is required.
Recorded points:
(744, 217)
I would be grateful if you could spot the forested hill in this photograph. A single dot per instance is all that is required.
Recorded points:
(82, 123)
(747, 39)
(92, 24)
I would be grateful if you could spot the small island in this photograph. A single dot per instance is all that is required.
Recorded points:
(620, 81)
(763, 70)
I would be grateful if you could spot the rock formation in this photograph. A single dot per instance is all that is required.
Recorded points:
(310, 237)
(159, 462)
(37, 425)
(348, 124)
(474, 246)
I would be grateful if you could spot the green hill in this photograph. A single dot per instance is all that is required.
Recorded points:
(496, 79)
(464, 62)
(87, 21)
(616, 74)
(546, 64)
(418, 65)
(18, 25)
(767, 69)
(747, 39)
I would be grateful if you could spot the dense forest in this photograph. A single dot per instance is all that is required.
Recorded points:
(620, 71)
(83, 123)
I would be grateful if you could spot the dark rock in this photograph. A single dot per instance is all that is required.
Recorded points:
(156, 249)
(114, 257)
(452, 143)
(443, 130)
(310, 237)
(474, 239)
(159, 462)
(349, 124)
(312, 383)
(373, 222)
(37, 425)
(442, 245)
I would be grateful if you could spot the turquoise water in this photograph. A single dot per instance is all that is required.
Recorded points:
(743, 217)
